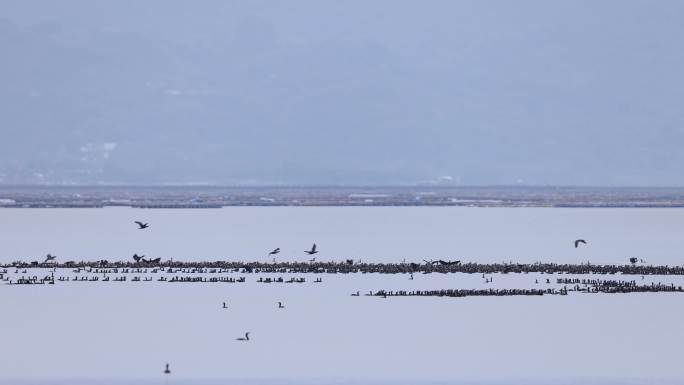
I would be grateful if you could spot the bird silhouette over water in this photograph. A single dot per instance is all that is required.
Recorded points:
(449, 263)
(312, 251)
(578, 241)
(245, 338)
(280, 305)
(142, 225)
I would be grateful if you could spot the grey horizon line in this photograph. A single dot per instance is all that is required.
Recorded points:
(340, 185)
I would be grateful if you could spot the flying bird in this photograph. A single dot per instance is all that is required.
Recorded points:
(274, 252)
(577, 242)
(49, 258)
(142, 225)
(245, 338)
(449, 263)
(312, 251)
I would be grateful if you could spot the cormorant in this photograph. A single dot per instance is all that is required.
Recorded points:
(449, 263)
(312, 251)
(142, 225)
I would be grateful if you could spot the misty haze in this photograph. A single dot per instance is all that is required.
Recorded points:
(323, 92)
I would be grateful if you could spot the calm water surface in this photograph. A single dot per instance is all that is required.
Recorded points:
(125, 332)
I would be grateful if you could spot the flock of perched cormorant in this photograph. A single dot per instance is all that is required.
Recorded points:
(141, 265)
(351, 266)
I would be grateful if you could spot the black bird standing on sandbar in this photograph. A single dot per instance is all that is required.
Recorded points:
(312, 251)
(142, 225)
(577, 242)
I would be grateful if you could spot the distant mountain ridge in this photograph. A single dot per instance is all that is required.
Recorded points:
(259, 94)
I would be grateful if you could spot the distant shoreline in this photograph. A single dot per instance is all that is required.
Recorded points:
(197, 207)
(195, 197)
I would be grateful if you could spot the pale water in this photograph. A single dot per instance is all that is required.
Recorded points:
(129, 331)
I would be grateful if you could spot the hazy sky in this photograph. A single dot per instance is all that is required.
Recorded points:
(326, 92)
